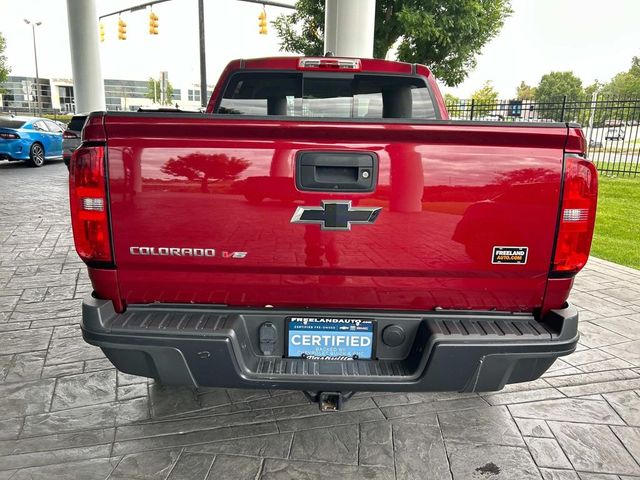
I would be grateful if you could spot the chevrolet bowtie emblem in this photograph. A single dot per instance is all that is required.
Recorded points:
(336, 215)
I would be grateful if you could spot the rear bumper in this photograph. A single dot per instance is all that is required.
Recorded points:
(219, 347)
(14, 150)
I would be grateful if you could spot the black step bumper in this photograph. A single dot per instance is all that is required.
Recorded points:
(219, 347)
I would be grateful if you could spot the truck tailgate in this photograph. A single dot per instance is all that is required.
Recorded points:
(202, 208)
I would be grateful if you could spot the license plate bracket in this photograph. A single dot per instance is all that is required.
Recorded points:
(330, 338)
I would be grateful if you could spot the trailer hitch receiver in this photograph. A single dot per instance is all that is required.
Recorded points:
(329, 401)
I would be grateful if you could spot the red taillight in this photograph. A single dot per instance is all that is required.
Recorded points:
(577, 215)
(9, 136)
(69, 134)
(87, 191)
(329, 63)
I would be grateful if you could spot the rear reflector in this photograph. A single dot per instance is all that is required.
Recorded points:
(87, 191)
(329, 63)
(577, 219)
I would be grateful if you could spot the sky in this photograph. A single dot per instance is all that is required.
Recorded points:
(595, 39)
(231, 31)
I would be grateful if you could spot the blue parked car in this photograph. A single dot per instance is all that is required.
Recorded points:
(32, 140)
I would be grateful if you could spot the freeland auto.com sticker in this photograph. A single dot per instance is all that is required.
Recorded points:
(513, 255)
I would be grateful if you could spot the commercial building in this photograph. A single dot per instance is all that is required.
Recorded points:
(19, 94)
(56, 95)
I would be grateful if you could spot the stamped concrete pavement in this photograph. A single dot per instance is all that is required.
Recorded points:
(66, 413)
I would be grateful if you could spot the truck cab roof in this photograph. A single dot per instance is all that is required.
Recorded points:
(294, 63)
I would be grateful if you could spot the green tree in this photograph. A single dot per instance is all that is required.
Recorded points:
(4, 68)
(446, 35)
(450, 99)
(454, 106)
(550, 95)
(153, 92)
(525, 92)
(625, 84)
(485, 100)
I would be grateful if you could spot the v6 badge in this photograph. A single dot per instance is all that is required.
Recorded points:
(514, 255)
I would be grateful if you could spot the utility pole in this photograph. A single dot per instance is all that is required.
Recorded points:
(203, 59)
(35, 56)
(164, 81)
(592, 110)
(124, 96)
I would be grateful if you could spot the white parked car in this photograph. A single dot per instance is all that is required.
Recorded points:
(615, 133)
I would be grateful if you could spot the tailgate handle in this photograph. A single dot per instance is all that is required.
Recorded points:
(336, 171)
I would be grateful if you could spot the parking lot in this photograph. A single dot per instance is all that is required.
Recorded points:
(66, 413)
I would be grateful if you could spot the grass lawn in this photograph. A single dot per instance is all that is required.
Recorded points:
(617, 235)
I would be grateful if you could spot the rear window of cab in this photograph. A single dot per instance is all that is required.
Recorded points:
(340, 95)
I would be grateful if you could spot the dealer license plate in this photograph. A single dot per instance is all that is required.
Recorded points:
(321, 338)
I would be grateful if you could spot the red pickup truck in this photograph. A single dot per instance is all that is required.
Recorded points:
(325, 227)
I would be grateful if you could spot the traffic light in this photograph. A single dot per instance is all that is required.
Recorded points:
(122, 29)
(101, 32)
(262, 22)
(153, 24)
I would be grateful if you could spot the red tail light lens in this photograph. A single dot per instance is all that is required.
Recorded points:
(577, 217)
(87, 191)
(9, 136)
(69, 134)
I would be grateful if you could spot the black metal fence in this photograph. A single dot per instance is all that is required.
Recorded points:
(611, 125)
